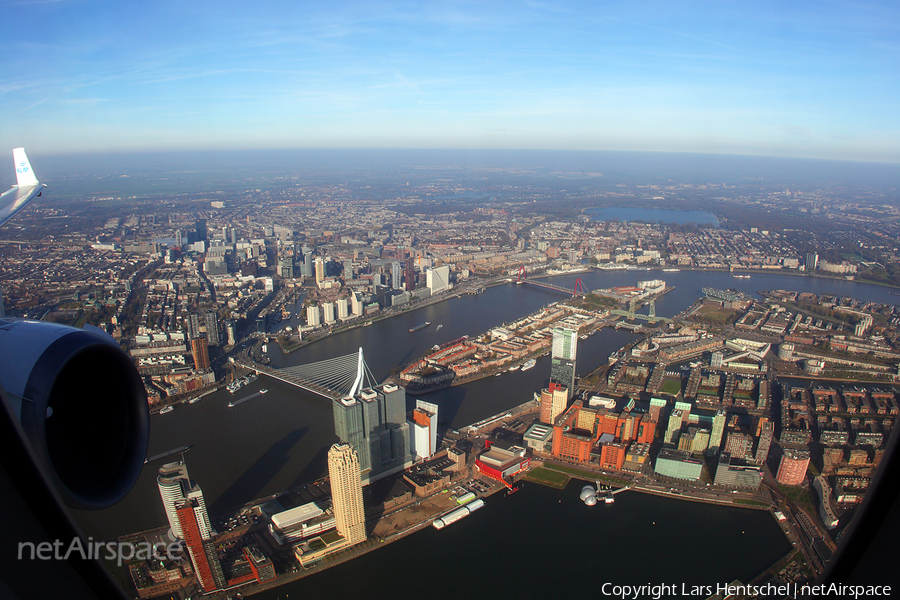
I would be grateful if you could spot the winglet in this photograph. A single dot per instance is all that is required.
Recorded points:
(24, 175)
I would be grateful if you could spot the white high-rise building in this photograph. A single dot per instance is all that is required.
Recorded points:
(438, 279)
(396, 271)
(342, 311)
(175, 486)
(312, 315)
(346, 492)
(423, 429)
(562, 360)
(356, 303)
(565, 343)
(328, 312)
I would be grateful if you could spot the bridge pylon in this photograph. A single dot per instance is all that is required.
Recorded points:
(579, 288)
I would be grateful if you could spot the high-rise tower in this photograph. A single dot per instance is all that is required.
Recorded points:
(718, 429)
(373, 421)
(200, 350)
(410, 275)
(346, 493)
(396, 271)
(674, 428)
(200, 546)
(423, 429)
(175, 486)
(562, 366)
(201, 230)
(212, 328)
(320, 271)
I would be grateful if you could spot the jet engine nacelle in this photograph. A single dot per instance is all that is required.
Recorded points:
(80, 405)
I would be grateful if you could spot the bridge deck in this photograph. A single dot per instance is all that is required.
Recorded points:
(309, 386)
(550, 286)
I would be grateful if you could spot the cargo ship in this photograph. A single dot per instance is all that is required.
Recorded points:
(458, 514)
(178, 450)
(418, 327)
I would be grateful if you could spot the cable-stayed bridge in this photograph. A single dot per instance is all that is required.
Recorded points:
(579, 289)
(332, 378)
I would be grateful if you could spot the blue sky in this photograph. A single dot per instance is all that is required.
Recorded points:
(808, 79)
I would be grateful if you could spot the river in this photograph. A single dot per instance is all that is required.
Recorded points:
(545, 543)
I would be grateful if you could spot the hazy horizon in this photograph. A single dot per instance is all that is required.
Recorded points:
(589, 164)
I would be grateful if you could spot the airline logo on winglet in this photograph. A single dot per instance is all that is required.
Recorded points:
(23, 167)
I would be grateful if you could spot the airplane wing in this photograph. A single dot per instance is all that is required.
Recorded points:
(28, 188)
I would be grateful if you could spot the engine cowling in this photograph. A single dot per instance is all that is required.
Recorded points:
(80, 405)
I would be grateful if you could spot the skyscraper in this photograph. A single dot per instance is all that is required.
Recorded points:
(174, 487)
(212, 328)
(342, 309)
(423, 429)
(200, 546)
(356, 303)
(396, 271)
(765, 442)
(328, 312)
(374, 423)
(438, 279)
(674, 428)
(812, 261)
(320, 271)
(201, 230)
(718, 429)
(312, 315)
(193, 323)
(410, 275)
(200, 350)
(306, 267)
(562, 365)
(346, 493)
(553, 403)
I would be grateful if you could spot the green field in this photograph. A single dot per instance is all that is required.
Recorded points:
(751, 502)
(671, 387)
(548, 477)
(586, 475)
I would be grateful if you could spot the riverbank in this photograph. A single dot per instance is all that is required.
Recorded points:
(420, 304)
(497, 281)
